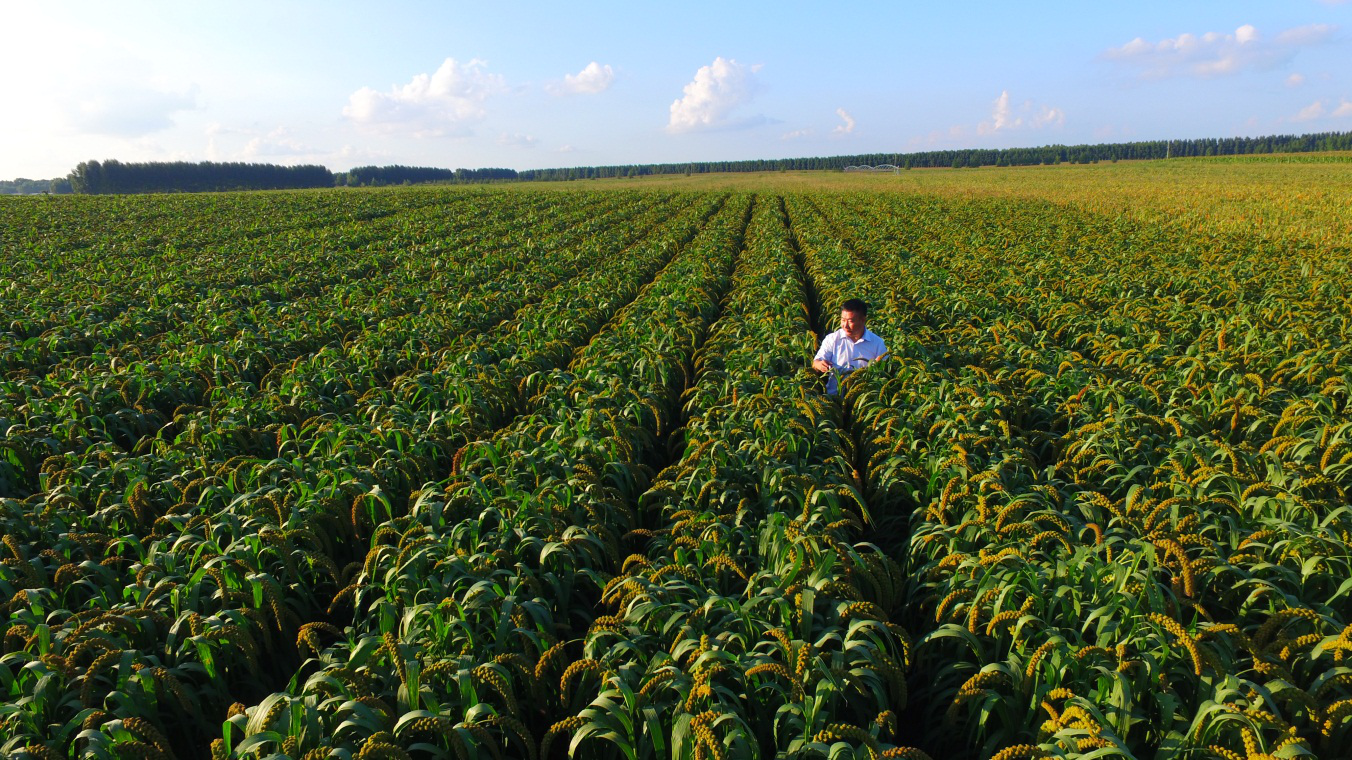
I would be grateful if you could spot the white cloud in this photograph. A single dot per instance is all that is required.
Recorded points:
(797, 133)
(430, 105)
(848, 126)
(1321, 109)
(105, 88)
(1310, 112)
(1000, 115)
(1306, 35)
(716, 91)
(565, 149)
(955, 136)
(1295, 80)
(592, 79)
(1048, 115)
(1005, 117)
(279, 143)
(517, 140)
(217, 128)
(128, 110)
(1216, 54)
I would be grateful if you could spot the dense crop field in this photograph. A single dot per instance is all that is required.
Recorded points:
(533, 474)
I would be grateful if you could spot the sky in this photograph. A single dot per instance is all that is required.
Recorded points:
(548, 84)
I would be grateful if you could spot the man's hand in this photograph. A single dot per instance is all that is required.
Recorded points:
(821, 365)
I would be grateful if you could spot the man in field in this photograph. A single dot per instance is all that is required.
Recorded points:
(851, 347)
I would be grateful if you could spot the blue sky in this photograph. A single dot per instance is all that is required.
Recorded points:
(526, 85)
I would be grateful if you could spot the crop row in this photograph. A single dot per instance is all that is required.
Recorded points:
(228, 359)
(384, 263)
(753, 622)
(445, 473)
(1106, 567)
(88, 270)
(254, 544)
(466, 607)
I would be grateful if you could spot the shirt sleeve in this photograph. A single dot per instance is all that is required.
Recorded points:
(827, 344)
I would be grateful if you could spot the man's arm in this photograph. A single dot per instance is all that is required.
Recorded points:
(819, 362)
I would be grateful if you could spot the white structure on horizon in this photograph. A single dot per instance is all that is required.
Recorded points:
(878, 168)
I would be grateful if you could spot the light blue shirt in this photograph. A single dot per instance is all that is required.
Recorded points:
(847, 355)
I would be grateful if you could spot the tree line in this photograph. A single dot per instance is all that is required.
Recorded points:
(973, 157)
(182, 176)
(93, 177)
(25, 186)
(376, 176)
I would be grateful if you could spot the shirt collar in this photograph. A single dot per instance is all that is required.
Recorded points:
(868, 335)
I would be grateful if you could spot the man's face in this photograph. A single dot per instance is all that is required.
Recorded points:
(853, 324)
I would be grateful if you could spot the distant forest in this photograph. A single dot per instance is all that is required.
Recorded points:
(93, 177)
(974, 157)
(25, 186)
(374, 176)
(114, 176)
(154, 177)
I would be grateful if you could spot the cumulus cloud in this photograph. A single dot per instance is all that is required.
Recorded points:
(1048, 116)
(1215, 53)
(517, 140)
(848, 126)
(430, 105)
(1028, 115)
(592, 79)
(1295, 80)
(1310, 112)
(797, 133)
(1301, 36)
(1323, 108)
(278, 143)
(957, 135)
(1001, 118)
(97, 85)
(710, 98)
(128, 109)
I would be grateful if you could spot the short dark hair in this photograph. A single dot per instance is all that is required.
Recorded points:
(856, 306)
